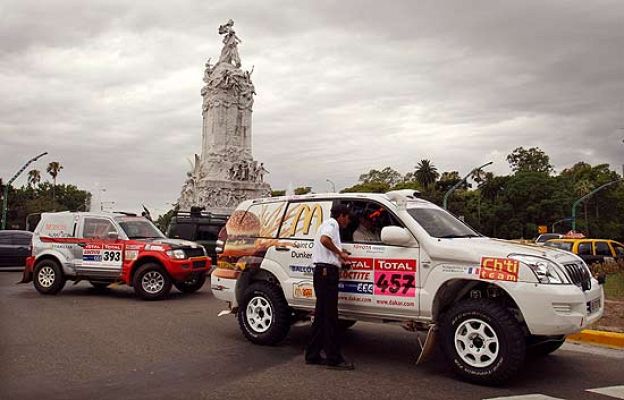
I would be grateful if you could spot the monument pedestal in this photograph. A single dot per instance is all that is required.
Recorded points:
(222, 196)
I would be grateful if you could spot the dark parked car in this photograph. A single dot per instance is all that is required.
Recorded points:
(198, 226)
(15, 246)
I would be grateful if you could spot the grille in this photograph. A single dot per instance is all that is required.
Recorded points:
(579, 275)
(199, 264)
(194, 252)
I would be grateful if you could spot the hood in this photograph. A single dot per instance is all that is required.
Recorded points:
(472, 249)
(174, 243)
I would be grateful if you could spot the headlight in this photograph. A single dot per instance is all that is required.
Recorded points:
(178, 254)
(545, 270)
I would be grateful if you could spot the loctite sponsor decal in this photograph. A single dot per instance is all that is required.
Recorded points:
(356, 275)
(499, 269)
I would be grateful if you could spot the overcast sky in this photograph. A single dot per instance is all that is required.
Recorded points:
(112, 89)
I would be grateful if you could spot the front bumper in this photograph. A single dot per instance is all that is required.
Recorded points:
(557, 309)
(181, 270)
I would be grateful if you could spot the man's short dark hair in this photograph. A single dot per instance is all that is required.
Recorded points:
(339, 209)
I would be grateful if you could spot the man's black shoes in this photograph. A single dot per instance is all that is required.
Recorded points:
(343, 365)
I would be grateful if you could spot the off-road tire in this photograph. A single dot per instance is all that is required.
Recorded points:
(151, 282)
(507, 331)
(193, 284)
(263, 314)
(344, 324)
(48, 277)
(545, 347)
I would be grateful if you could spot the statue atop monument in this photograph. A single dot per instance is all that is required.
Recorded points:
(229, 53)
(226, 172)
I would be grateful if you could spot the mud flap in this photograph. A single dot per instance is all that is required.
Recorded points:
(229, 311)
(27, 276)
(429, 345)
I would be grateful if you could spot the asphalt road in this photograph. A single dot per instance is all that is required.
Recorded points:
(85, 344)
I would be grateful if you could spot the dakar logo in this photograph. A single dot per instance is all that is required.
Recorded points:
(499, 269)
(305, 214)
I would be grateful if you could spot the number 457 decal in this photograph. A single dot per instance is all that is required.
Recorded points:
(395, 284)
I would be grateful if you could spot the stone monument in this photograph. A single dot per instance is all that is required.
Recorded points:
(226, 172)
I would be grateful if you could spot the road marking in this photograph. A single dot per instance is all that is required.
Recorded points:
(526, 397)
(616, 392)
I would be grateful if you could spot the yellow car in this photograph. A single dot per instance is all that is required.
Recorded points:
(590, 250)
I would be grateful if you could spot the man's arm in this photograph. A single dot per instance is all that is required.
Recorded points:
(329, 245)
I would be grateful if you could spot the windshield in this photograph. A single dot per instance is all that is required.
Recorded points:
(139, 228)
(441, 224)
(559, 245)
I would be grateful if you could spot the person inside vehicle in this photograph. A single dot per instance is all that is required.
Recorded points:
(366, 230)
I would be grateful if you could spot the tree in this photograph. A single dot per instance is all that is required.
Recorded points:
(303, 190)
(426, 174)
(53, 169)
(531, 160)
(387, 175)
(34, 177)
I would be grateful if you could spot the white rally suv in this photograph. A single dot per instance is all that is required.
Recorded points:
(488, 301)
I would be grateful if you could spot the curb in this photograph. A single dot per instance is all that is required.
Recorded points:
(603, 338)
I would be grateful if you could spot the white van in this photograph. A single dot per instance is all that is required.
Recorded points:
(490, 300)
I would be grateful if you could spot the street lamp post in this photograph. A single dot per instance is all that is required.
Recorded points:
(333, 185)
(576, 203)
(558, 222)
(6, 188)
(455, 186)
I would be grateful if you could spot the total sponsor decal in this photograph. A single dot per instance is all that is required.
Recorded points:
(303, 290)
(355, 287)
(102, 254)
(361, 264)
(395, 277)
(499, 269)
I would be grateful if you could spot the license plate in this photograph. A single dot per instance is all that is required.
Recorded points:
(594, 305)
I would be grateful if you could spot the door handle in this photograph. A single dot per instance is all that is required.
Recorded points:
(82, 244)
(282, 248)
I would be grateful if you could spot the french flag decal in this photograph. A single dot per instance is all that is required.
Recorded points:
(473, 270)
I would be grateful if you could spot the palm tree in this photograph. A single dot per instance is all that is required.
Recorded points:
(53, 169)
(34, 177)
(426, 174)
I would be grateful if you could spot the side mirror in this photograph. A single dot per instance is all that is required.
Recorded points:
(112, 235)
(396, 236)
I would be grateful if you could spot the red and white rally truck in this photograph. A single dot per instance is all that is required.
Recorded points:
(105, 248)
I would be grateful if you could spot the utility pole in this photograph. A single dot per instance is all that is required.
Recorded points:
(455, 186)
(6, 188)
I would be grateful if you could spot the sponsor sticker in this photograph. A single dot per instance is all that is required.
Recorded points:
(303, 290)
(355, 287)
(499, 269)
(302, 269)
(360, 264)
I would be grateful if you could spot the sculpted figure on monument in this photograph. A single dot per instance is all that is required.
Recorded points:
(229, 53)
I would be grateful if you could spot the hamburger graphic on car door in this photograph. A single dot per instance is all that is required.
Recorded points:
(248, 235)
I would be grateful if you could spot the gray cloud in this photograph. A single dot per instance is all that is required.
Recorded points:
(111, 89)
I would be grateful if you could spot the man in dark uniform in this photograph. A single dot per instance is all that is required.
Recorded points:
(328, 256)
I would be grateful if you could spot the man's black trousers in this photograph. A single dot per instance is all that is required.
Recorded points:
(325, 334)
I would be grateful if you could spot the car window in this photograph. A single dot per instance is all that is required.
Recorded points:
(97, 228)
(302, 219)
(584, 249)
(440, 224)
(57, 225)
(208, 232)
(602, 249)
(619, 250)
(5, 239)
(559, 245)
(21, 240)
(182, 231)
(368, 218)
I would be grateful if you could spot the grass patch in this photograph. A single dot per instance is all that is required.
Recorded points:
(614, 286)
